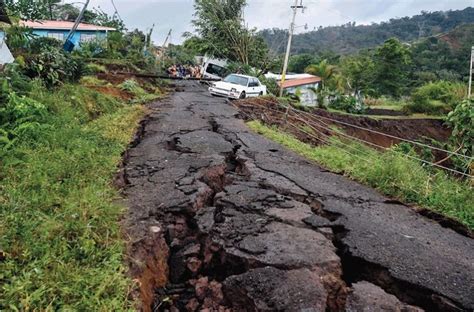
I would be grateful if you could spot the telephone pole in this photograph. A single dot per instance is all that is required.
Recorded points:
(470, 73)
(288, 47)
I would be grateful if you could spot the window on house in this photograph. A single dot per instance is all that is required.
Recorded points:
(88, 37)
(56, 35)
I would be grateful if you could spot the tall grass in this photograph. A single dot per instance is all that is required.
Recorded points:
(59, 232)
(391, 173)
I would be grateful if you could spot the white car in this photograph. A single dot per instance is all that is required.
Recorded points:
(238, 87)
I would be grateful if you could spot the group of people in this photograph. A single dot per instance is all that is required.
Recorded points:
(184, 71)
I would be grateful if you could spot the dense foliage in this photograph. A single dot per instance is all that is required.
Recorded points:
(61, 247)
(350, 38)
(462, 122)
(57, 10)
(436, 97)
(60, 242)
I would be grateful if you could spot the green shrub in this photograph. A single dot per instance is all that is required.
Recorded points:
(92, 49)
(92, 81)
(461, 120)
(42, 43)
(436, 97)
(347, 103)
(132, 86)
(93, 68)
(431, 107)
(54, 67)
(272, 85)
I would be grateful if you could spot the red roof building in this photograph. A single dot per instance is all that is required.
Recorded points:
(299, 82)
(63, 25)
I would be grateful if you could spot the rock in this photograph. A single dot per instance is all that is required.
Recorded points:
(210, 293)
(316, 221)
(205, 219)
(191, 250)
(367, 297)
(252, 245)
(192, 305)
(186, 181)
(200, 287)
(194, 264)
(306, 248)
(271, 289)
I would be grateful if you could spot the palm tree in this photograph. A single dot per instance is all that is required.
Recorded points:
(324, 70)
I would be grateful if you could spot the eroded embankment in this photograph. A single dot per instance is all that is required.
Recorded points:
(221, 219)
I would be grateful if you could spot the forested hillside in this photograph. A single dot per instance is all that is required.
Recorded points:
(350, 38)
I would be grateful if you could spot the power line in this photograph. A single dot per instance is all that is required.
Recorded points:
(400, 153)
(116, 11)
(395, 137)
(375, 145)
(382, 133)
(295, 8)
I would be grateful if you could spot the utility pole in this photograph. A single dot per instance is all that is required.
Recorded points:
(68, 44)
(470, 73)
(288, 47)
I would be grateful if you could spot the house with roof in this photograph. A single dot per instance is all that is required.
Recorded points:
(60, 29)
(303, 84)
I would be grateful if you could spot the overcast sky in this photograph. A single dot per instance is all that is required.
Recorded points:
(177, 14)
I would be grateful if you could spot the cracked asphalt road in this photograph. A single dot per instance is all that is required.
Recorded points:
(223, 219)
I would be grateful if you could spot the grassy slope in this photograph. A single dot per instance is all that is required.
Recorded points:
(391, 173)
(59, 227)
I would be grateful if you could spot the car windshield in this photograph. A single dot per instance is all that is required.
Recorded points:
(236, 80)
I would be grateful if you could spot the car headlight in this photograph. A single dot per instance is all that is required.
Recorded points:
(233, 90)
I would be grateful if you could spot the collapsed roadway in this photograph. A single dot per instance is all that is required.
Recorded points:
(222, 219)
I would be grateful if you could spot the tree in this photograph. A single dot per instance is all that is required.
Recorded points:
(324, 70)
(359, 71)
(298, 63)
(30, 9)
(220, 26)
(392, 61)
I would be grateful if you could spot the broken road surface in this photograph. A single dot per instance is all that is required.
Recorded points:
(223, 219)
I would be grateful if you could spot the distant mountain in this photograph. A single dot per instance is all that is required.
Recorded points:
(350, 38)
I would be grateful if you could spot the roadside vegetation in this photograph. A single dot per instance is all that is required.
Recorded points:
(65, 121)
(389, 172)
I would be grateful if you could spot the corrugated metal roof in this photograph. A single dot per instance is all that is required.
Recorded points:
(300, 82)
(63, 25)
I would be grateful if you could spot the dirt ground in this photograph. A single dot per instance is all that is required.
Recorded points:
(113, 91)
(420, 130)
(423, 130)
(222, 219)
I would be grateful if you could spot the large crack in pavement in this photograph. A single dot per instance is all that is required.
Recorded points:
(221, 219)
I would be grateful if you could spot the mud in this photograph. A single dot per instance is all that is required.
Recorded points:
(384, 112)
(423, 130)
(221, 219)
(113, 91)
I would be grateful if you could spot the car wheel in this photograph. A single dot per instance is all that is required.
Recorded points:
(242, 95)
(261, 93)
